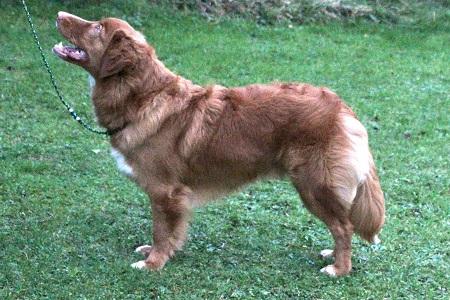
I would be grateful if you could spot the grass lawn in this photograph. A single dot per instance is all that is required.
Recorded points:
(69, 222)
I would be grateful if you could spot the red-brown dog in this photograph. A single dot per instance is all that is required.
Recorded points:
(185, 144)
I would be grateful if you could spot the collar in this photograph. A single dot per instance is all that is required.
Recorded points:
(113, 131)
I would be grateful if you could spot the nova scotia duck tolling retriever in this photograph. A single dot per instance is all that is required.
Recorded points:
(186, 144)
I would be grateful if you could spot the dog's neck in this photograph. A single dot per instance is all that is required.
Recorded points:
(118, 98)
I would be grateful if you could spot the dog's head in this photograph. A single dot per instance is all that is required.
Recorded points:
(104, 48)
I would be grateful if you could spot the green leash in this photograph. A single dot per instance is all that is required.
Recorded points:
(53, 81)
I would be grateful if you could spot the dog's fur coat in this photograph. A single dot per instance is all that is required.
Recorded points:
(185, 144)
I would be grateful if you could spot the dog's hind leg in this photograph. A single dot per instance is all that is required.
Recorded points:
(323, 204)
(342, 233)
(170, 211)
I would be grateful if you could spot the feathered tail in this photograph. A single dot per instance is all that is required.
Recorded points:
(367, 211)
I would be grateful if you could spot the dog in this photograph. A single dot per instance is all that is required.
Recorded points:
(185, 144)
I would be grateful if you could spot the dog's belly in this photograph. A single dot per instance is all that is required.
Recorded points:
(208, 189)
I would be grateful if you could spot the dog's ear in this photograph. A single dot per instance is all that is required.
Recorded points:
(119, 55)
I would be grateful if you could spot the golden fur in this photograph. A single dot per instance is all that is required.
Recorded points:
(187, 144)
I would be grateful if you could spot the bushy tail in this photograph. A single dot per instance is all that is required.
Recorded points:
(367, 211)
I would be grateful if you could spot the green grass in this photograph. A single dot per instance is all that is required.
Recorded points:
(406, 12)
(69, 221)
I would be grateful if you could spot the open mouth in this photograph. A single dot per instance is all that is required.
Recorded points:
(72, 53)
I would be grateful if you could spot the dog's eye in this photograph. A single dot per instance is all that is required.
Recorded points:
(98, 28)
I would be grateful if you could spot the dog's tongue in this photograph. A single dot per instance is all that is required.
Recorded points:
(68, 52)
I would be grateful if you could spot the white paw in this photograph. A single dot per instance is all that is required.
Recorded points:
(329, 270)
(139, 265)
(376, 240)
(143, 249)
(326, 253)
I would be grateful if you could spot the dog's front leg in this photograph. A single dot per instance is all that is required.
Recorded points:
(171, 209)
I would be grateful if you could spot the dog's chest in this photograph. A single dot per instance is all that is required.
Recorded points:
(91, 84)
(122, 164)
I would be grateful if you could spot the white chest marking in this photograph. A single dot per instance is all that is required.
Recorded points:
(121, 162)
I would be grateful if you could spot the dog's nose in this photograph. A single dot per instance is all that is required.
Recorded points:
(66, 16)
(61, 15)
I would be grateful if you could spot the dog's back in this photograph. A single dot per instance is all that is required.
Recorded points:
(304, 132)
(249, 132)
